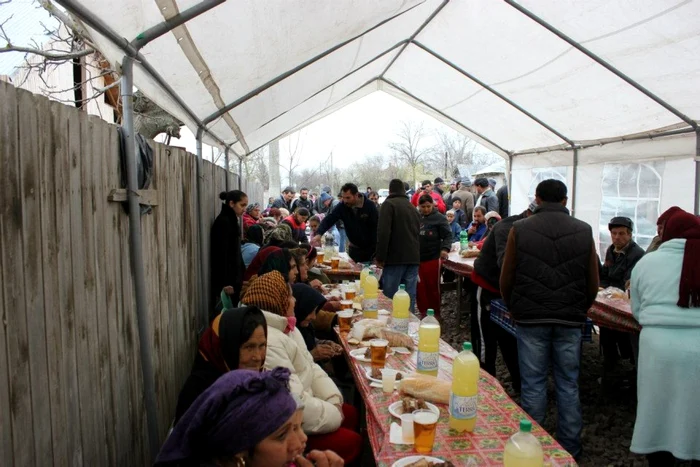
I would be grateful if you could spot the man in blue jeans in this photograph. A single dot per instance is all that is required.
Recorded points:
(398, 247)
(549, 280)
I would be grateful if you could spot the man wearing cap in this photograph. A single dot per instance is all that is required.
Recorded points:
(439, 185)
(616, 271)
(285, 199)
(427, 189)
(487, 198)
(464, 194)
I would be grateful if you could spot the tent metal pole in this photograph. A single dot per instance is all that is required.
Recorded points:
(603, 63)
(240, 173)
(136, 253)
(493, 91)
(510, 182)
(697, 172)
(204, 258)
(573, 184)
(226, 163)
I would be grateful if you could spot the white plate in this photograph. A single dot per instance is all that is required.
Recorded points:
(359, 354)
(394, 409)
(410, 460)
(368, 373)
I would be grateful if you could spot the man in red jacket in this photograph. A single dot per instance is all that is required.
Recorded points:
(427, 189)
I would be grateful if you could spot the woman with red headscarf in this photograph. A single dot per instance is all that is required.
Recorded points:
(665, 293)
(663, 218)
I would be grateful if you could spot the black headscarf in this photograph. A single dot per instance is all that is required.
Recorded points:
(277, 261)
(308, 300)
(255, 234)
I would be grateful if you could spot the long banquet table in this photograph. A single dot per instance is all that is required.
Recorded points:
(497, 419)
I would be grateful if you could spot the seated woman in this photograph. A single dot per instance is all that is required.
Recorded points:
(271, 258)
(327, 420)
(665, 293)
(301, 255)
(251, 216)
(297, 222)
(309, 303)
(246, 418)
(253, 242)
(235, 339)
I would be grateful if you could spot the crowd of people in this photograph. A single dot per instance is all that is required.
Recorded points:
(263, 389)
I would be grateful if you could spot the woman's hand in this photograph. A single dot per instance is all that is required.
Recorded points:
(316, 284)
(228, 290)
(320, 459)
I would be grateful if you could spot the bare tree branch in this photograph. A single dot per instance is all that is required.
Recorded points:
(408, 148)
(47, 54)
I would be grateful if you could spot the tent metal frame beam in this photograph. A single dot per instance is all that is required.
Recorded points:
(228, 107)
(444, 115)
(485, 86)
(697, 172)
(603, 63)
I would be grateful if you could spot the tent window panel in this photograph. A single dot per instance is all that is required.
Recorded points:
(538, 175)
(634, 191)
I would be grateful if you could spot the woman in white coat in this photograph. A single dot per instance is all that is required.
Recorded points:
(327, 420)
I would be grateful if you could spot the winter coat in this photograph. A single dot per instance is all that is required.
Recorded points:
(437, 199)
(488, 200)
(298, 230)
(503, 207)
(550, 269)
(281, 203)
(397, 232)
(360, 224)
(488, 264)
(617, 268)
(435, 236)
(456, 230)
(227, 266)
(303, 203)
(479, 234)
(467, 199)
(668, 373)
(461, 218)
(248, 221)
(308, 381)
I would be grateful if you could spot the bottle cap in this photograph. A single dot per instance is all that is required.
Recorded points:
(467, 346)
(431, 312)
(525, 425)
(371, 273)
(402, 287)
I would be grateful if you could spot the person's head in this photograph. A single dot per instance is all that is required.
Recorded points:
(551, 191)
(683, 225)
(314, 223)
(491, 218)
(326, 199)
(300, 254)
(439, 182)
(480, 215)
(454, 185)
(245, 418)
(270, 292)
(663, 218)
(425, 205)
(426, 186)
(276, 214)
(369, 189)
(284, 213)
(621, 231)
(281, 261)
(304, 193)
(396, 187)
(456, 203)
(254, 234)
(492, 183)
(481, 185)
(236, 200)
(270, 200)
(308, 303)
(311, 256)
(450, 216)
(350, 194)
(288, 193)
(301, 214)
(465, 182)
(253, 210)
(278, 235)
(374, 197)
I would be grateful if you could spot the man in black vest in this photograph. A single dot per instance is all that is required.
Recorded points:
(549, 280)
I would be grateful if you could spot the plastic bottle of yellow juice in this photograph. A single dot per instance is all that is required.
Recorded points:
(363, 277)
(463, 397)
(369, 302)
(400, 314)
(428, 345)
(523, 449)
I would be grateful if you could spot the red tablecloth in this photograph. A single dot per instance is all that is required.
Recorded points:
(498, 417)
(459, 265)
(614, 313)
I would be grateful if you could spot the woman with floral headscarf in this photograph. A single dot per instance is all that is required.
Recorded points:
(251, 216)
(324, 411)
(665, 295)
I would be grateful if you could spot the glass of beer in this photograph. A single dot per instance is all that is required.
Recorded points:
(320, 254)
(346, 304)
(424, 424)
(345, 321)
(335, 263)
(350, 292)
(378, 349)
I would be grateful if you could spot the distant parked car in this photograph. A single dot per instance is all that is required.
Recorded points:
(383, 194)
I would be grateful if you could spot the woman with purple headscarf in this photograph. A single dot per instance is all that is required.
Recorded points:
(245, 419)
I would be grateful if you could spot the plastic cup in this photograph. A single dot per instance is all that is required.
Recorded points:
(407, 427)
(320, 254)
(346, 304)
(350, 293)
(388, 379)
(378, 348)
(335, 263)
(424, 424)
(345, 320)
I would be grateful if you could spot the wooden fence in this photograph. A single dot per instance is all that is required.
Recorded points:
(70, 375)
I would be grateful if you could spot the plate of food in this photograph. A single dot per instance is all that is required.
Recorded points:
(422, 461)
(409, 404)
(375, 375)
(364, 354)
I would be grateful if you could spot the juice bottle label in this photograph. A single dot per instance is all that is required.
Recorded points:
(370, 304)
(427, 361)
(463, 407)
(400, 325)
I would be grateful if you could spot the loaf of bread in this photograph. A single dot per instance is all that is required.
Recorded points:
(367, 329)
(397, 339)
(426, 387)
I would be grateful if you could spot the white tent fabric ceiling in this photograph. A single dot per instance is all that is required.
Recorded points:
(482, 66)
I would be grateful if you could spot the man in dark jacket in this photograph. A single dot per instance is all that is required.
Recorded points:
(487, 198)
(360, 218)
(486, 335)
(503, 201)
(620, 259)
(435, 240)
(549, 280)
(303, 202)
(398, 248)
(285, 199)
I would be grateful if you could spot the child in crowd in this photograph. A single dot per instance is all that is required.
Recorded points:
(460, 216)
(454, 225)
(314, 223)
